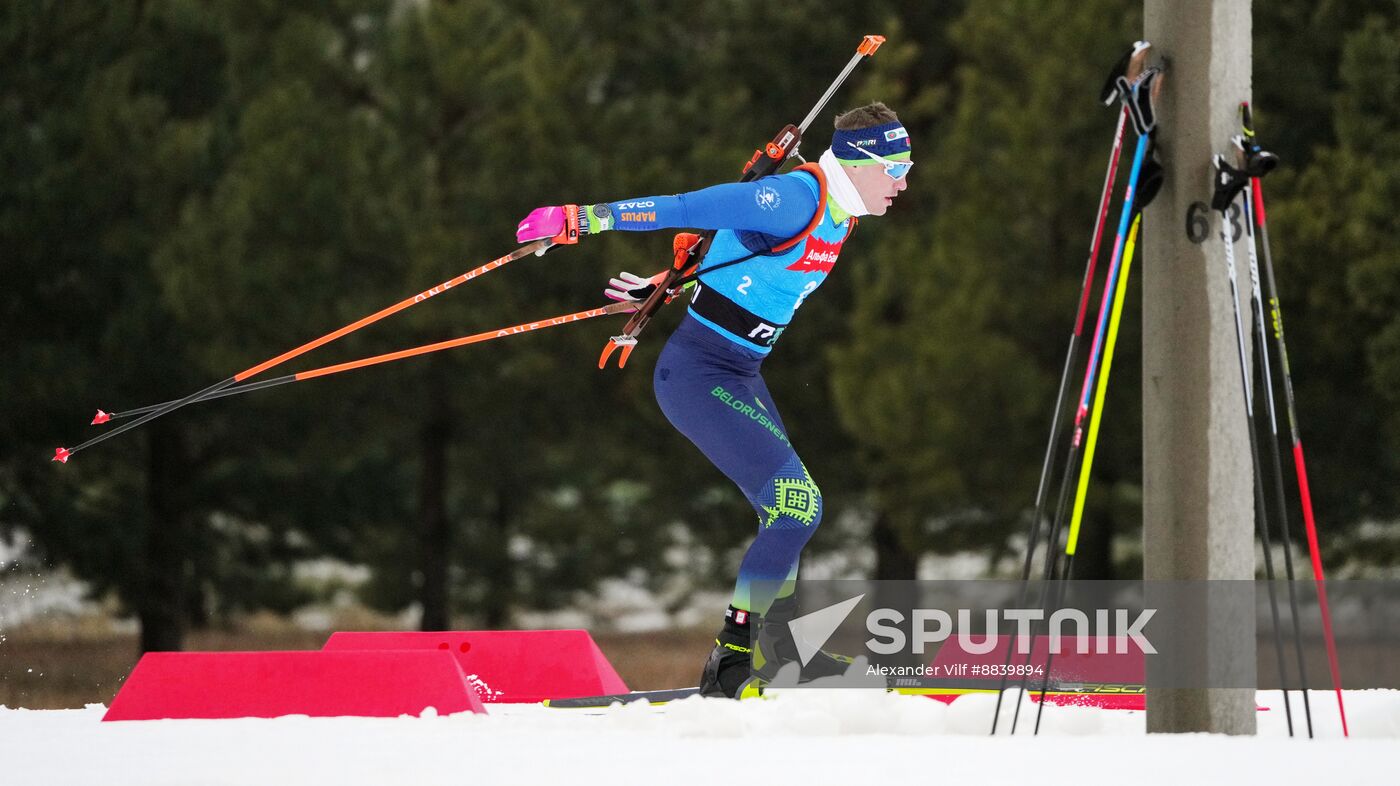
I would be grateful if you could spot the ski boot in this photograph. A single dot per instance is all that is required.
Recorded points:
(729, 669)
(777, 647)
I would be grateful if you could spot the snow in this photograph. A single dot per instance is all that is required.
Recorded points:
(802, 737)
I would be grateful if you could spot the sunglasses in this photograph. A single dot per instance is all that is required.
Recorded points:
(895, 169)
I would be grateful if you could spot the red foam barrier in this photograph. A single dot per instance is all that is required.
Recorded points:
(270, 684)
(508, 666)
(1093, 678)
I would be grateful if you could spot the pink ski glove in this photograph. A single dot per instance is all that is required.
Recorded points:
(548, 222)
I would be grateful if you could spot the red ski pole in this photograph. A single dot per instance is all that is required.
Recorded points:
(1310, 524)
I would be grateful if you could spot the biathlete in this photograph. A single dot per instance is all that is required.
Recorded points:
(707, 378)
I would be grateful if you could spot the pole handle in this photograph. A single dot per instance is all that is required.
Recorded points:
(1137, 61)
(1247, 120)
(869, 44)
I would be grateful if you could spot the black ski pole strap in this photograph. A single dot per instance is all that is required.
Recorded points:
(1149, 181)
(1138, 96)
(1229, 182)
(1110, 92)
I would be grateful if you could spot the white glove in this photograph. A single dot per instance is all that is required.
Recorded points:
(629, 287)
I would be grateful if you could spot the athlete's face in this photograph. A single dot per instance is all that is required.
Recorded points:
(877, 189)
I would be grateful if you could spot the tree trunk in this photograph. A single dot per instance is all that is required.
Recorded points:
(1094, 554)
(436, 537)
(894, 560)
(162, 594)
(495, 562)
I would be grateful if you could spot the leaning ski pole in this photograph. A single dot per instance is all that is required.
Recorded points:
(1138, 95)
(1229, 182)
(1092, 441)
(351, 365)
(538, 248)
(1109, 95)
(1257, 169)
(1141, 199)
(764, 162)
(1096, 418)
(1266, 387)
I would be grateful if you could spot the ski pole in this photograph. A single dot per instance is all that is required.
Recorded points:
(1072, 354)
(1276, 313)
(1108, 95)
(1091, 443)
(764, 162)
(1141, 95)
(538, 248)
(1142, 199)
(1095, 419)
(325, 371)
(1228, 184)
(1261, 344)
(104, 417)
(1137, 96)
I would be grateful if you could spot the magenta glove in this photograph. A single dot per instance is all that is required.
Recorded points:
(543, 222)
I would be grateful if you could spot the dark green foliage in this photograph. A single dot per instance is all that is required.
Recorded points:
(1339, 275)
(962, 323)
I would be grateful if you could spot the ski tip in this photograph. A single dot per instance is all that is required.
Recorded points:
(100, 417)
(61, 455)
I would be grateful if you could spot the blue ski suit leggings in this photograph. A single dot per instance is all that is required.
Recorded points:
(711, 391)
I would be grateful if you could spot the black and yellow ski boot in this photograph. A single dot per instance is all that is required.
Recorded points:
(729, 669)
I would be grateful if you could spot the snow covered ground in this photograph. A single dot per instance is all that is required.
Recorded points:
(799, 737)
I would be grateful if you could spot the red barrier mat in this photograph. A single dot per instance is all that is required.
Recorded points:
(1100, 661)
(1108, 679)
(509, 666)
(269, 684)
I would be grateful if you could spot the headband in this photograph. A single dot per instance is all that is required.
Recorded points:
(888, 140)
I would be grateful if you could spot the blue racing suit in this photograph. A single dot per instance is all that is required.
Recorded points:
(707, 378)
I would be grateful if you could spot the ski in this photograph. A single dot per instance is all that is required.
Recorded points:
(607, 700)
(944, 688)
